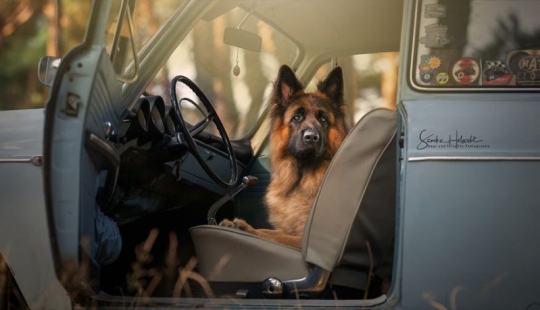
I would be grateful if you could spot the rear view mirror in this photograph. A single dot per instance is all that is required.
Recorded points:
(47, 68)
(242, 39)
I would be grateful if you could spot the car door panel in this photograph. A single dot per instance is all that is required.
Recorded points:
(73, 168)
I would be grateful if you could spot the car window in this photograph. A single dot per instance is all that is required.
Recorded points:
(370, 82)
(131, 24)
(239, 99)
(484, 45)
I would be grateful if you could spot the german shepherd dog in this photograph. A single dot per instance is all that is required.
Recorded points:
(306, 131)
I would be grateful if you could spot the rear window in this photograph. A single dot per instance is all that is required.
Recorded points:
(476, 44)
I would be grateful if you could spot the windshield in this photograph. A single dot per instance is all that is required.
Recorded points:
(479, 44)
(236, 81)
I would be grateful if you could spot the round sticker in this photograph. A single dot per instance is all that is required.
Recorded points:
(442, 78)
(426, 76)
(466, 71)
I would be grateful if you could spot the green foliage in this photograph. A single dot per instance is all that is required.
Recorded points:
(19, 57)
(22, 50)
(26, 42)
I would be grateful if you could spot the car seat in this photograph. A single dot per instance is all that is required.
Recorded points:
(347, 235)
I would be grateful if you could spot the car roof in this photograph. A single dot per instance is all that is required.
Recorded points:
(331, 26)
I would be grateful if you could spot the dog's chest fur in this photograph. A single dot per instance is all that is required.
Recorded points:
(289, 207)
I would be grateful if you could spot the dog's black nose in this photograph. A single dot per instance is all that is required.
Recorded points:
(311, 135)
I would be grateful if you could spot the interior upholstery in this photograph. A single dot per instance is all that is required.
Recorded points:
(356, 203)
(230, 255)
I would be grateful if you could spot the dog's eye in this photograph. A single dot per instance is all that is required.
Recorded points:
(323, 119)
(297, 118)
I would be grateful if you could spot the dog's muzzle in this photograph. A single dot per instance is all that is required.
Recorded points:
(308, 145)
(311, 136)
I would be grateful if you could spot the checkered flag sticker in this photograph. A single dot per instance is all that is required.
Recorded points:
(498, 65)
(495, 70)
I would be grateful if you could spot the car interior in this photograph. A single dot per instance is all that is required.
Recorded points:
(164, 165)
(148, 175)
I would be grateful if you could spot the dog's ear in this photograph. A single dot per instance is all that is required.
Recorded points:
(332, 85)
(285, 85)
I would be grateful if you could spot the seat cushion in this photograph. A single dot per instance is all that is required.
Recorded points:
(231, 255)
(356, 202)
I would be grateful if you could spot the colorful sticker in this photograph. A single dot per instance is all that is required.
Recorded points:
(466, 71)
(426, 77)
(442, 78)
(428, 63)
(435, 11)
(436, 36)
(525, 65)
(496, 73)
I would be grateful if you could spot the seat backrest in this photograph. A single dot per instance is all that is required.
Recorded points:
(357, 200)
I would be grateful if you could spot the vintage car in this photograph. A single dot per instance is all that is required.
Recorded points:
(157, 128)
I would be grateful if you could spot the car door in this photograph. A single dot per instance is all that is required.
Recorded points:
(84, 109)
(471, 164)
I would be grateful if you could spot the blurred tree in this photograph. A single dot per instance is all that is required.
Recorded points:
(349, 78)
(27, 32)
(146, 20)
(214, 69)
(254, 76)
(21, 44)
(510, 35)
(14, 14)
(389, 78)
(73, 18)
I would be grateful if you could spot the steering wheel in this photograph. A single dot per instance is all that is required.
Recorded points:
(189, 132)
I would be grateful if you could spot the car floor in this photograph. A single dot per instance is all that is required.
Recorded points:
(158, 260)
(156, 249)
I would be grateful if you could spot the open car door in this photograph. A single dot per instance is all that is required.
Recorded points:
(84, 110)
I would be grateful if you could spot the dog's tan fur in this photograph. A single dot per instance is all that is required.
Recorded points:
(294, 184)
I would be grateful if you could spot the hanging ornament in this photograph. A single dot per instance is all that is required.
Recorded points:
(236, 69)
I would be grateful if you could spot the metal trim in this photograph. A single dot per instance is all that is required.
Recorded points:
(15, 160)
(473, 158)
(35, 160)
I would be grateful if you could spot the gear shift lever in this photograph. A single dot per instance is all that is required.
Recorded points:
(248, 180)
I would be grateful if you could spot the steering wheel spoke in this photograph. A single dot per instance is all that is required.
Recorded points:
(200, 126)
(209, 116)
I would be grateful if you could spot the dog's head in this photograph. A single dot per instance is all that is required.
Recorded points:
(311, 124)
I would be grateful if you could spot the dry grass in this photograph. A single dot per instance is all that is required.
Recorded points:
(142, 281)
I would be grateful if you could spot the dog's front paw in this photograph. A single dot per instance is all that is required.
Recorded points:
(228, 223)
(237, 223)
